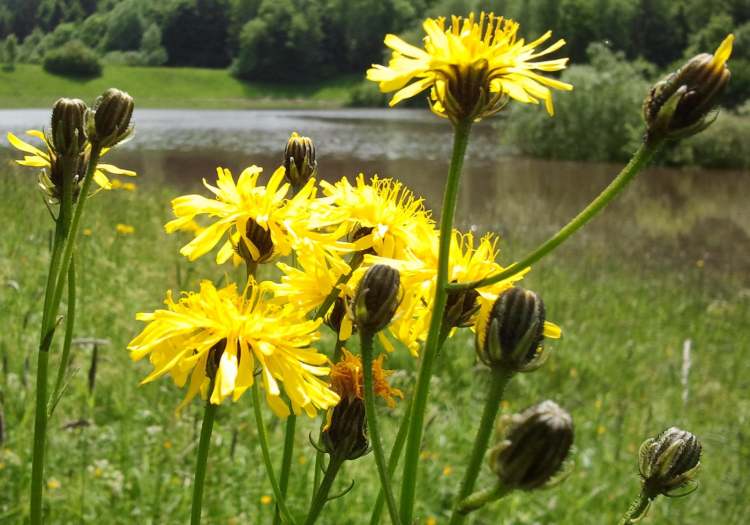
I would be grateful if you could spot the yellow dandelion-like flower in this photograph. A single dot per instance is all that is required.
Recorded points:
(382, 216)
(47, 160)
(125, 229)
(257, 221)
(472, 67)
(347, 379)
(223, 333)
(265, 499)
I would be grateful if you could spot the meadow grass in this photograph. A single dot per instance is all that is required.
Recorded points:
(120, 454)
(161, 87)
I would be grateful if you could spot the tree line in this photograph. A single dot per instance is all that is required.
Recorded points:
(298, 40)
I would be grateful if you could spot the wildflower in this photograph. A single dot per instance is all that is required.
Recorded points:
(68, 136)
(88, 232)
(257, 221)
(299, 161)
(345, 433)
(50, 179)
(472, 67)
(669, 462)
(510, 334)
(265, 499)
(110, 124)
(222, 333)
(382, 216)
(534, 446)
(125, 229)
(53, 484)
(378, 296)
(679, 105)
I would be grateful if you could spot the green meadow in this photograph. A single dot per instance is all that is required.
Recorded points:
(30, 86)
(118, 453)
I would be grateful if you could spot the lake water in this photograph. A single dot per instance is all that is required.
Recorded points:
(685, 217)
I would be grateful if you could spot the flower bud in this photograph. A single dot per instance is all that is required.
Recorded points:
(299, 160)
(534, 446)
(68, 135)
(111, 122)
(669, 461)
(336, 315)
(511, 336)
(460, 308)
(259, 249)
(345, 435)
(377, 298)
(679, 105)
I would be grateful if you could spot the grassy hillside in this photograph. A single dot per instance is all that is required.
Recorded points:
(31, 86)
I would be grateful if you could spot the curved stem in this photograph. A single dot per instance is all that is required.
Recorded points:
(639, 160)
(68, 338)
(209, 414)
(263, 438)
(321, 495)
(286, 461)
(414, 439)
(481, 498)
(500, 378)
(372, 424)
(52, 298)
(637, 509)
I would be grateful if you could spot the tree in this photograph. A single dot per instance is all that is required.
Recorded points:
(284, 42)
(124, 28)
(10, 52)
(153, 52)
(195, 33)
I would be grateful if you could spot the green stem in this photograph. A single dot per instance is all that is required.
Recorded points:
(416, 425)
(321, 495)
(499, 380)
(263, 438)
(637, 509)
(639, 160)
(372, 424)
(286, 461)
(49, 312)
(398, 444)
(209, 414)
(481, 498)
(67, 340)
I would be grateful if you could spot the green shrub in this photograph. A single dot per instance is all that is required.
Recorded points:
(723, 145)
(366, 94)
(10, 52)
(73, 59)
(599, 120)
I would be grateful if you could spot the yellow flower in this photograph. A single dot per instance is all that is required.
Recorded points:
(47, 160)
(88, 232)
(53, 484)
(381, 216)
(266, 499)
(259, 219)
(472, 67)
(225, 333)
(125, 229)
(347, 379)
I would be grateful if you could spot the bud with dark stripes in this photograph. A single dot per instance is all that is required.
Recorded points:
(669, 462)
(377, 298)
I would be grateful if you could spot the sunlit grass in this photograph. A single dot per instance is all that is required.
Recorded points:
(618, 370)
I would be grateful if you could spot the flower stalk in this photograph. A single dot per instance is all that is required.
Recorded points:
(416, 426)
(640, 160)
(637, 509)
(209, 414)
(499, 380)
(321, 494)
(481, 498)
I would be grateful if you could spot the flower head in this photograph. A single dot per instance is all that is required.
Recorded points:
(473, 66)
(50, 178)
(221, 333)
(669, 462)
(347, 379)
(256, 221)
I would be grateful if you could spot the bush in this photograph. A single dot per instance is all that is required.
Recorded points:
(123, 58)
(599, 120)
(10, 52)
(723, 145)
(74, 59)
(366, 94)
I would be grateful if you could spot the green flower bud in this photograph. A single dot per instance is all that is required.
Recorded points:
(299, 160)
(346, 434)
(461, 307)
(68, 136)
(669, 462)
(511, 337)
(679, 106)
(534, 446)
(110, 124)
(377, 298)
(262, 249)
